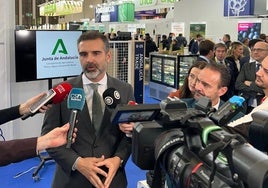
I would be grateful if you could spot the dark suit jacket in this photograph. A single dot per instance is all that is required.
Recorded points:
(15, 150)
(232, 67)
(194, 47)
(109, 142)
(248, 72)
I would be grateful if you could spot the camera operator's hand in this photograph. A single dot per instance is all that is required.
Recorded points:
(25, 107)
(127, 128)
(90, 168)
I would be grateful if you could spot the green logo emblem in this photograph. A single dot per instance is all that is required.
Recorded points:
(59, 47)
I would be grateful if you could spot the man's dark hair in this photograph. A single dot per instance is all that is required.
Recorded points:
(205, 46)
(262, 36)
(93, 35)
(220, 45)
(225, 75)
(198, 35)
(164, 36)
(252, 42)
(227, 36)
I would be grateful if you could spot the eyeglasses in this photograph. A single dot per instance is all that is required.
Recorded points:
(259, 49)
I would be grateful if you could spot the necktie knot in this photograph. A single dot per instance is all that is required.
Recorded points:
(257, 66)
(94, 86)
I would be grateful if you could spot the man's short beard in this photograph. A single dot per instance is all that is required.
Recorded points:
(92, 75)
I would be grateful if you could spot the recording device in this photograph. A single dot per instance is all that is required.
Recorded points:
(132, 112)
(135, 113)
(55, 95)
(193, 151)
(258, 130)
(111, 97)
(75, 103)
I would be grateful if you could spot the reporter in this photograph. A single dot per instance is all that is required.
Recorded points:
(15, 112)
(21, 149)
(242, 124)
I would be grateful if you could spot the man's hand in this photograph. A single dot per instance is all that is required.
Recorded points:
(55, 138)
(127, 128)
(247, 83)
(112, 164)
(90, 168)
(25, 107)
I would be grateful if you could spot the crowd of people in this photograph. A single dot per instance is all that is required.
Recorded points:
(242, 60)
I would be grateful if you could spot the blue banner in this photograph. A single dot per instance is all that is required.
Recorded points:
(238, 7)
(139, 71)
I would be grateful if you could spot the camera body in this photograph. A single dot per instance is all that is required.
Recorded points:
(192, 150)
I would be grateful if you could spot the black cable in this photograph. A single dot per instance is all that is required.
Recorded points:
(2, 135)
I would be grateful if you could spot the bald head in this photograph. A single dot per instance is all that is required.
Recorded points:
(260, 51)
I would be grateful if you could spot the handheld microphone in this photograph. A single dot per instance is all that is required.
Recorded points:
(111, 97)
(55, 95)
(75, 103)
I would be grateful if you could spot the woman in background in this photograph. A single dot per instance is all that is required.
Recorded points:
(234, 65)
(188, 88)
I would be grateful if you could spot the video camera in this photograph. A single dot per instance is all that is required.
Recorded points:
(191, 147)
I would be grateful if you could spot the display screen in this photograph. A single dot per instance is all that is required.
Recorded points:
(46, 54)
(164, 70)
(136, 113)
(136, 116)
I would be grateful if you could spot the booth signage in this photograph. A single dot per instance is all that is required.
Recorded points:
(61, 8)
(139, 71)
(116, 13)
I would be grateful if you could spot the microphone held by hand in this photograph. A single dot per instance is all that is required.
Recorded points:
(75, 103)
(55, 95)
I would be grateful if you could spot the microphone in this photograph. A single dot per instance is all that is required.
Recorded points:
(75, 103)
(111, 97)
(55, 95)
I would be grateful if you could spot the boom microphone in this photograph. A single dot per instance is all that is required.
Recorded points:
(55, 95)
(76, 101)
(111, 97)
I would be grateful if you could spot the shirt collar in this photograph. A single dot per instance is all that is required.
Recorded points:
(86, 81)
(216, 106)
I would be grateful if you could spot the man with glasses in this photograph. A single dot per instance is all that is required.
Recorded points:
(242, 124)
(245, 82)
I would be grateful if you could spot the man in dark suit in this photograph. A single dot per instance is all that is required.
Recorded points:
(206, 50)
(245, 82)
(20, 149)
(97, 158)
(193, 47)
(242, 124)
(212, 86)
